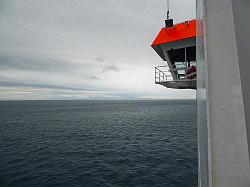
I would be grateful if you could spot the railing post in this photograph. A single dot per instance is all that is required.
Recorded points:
(155, 74)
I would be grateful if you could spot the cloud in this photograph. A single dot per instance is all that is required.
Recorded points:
(33, 85)
(35, 63)
(110, 67)
(101, 59)
(90, 76)
(67, 45)
(17, 90)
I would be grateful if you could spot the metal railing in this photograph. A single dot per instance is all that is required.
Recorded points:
(162, 74)
(178, 66)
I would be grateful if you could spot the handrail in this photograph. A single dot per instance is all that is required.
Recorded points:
(163, 73)
(160, 75)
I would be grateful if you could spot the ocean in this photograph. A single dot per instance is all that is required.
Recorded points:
(98, 143)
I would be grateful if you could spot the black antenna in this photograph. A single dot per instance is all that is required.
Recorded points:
(167, 9)
(168, 22)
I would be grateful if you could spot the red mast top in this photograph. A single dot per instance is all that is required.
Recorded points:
(177, 32)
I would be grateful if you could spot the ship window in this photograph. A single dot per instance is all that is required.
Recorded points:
(178, 55)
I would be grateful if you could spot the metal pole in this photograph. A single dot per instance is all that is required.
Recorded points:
(155, 74)
(167, 9)
(185, 61)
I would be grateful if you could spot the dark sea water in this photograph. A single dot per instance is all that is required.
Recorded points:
(98, 143)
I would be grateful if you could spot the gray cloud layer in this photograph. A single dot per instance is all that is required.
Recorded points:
(27, 63)
(84, 44)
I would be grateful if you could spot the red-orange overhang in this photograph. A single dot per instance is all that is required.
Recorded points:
(177, 32)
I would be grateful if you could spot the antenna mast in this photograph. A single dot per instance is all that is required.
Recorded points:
(168, 22)
(167, 9)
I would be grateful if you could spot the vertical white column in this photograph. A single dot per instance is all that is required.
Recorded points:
(223, 145)
(241, 16)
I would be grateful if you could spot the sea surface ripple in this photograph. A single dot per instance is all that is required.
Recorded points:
(98, 143)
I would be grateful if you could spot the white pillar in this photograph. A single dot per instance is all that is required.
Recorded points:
(222, 110)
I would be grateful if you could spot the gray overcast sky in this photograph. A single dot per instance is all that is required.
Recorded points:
(84, 49)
